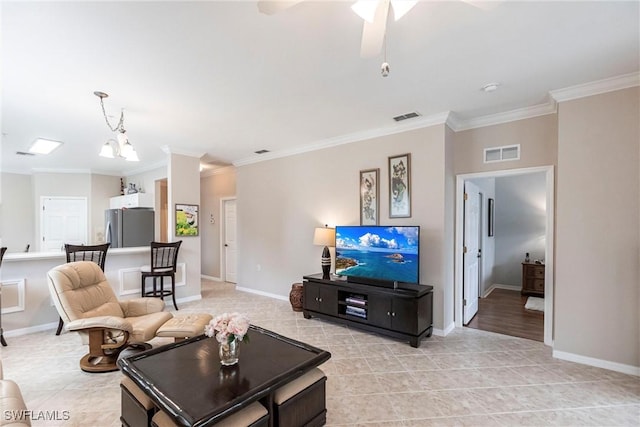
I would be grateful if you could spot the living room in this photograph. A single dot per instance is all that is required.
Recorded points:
(587, 133)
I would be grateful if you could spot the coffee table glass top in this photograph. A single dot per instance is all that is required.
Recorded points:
(187, 380)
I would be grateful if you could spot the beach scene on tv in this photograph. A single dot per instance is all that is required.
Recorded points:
(387, 253)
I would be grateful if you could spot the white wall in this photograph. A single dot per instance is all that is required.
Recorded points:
(598, 228)
(103, 187)
(520, 224)
(281, 201)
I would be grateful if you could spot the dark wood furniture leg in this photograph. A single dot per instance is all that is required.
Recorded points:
(60, 325)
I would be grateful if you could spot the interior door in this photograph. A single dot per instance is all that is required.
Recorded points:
(471, 252)
(63, 220)
(230, 247)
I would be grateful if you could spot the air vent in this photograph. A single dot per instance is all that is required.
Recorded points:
(502, 154)
(24, 153)
(261, 151)
(406, 116)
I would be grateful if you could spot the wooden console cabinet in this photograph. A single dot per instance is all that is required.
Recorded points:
(532, 279)
(405, 312)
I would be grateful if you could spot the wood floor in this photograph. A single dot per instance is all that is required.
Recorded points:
(503, 312)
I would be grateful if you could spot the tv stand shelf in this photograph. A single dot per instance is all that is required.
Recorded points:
(405, 311)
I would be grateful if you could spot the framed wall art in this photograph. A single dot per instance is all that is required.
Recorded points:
(490, 216)
(400, 186)
(186, 220)
(369, 197)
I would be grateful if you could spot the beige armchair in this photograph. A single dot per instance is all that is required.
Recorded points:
(87, 304)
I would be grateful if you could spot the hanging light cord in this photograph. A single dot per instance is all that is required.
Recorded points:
(120, 126)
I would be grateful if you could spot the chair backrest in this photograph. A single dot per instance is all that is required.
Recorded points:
(95, 253)
(2, 251)
(80, 290)
(164, 256)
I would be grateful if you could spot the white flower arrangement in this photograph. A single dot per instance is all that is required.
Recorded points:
(227, 327)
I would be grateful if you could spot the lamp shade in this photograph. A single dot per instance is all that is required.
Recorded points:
(324, 236)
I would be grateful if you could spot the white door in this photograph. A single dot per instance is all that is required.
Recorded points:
(471, 252)
(230, 248)
(63, 220)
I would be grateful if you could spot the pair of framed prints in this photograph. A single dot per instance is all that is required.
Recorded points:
(399, 186)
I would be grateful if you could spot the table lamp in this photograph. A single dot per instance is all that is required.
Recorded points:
(325, 236)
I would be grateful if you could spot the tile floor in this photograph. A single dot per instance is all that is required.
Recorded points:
(470, 377)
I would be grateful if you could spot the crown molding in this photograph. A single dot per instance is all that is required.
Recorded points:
(172, 150)
(596, 88)
(54, 170)
(422, 122)
(506, 117)
(216, 171)
(145, 169)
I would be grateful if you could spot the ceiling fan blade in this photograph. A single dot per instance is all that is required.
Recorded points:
(269, 7)
(483, 4)
(373, 33)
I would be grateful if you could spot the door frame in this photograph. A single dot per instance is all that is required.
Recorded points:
(223, 222)
(549, 241)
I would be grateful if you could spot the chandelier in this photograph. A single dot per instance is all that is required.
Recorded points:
(119, 147)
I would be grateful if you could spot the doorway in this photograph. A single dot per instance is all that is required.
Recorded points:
(547, 210)
(229, 252)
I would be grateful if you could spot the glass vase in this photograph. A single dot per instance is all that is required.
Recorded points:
(229, 353)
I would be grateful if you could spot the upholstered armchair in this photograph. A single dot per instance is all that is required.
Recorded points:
(87, 304)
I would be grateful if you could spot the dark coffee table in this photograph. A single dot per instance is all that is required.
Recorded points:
(186, 380)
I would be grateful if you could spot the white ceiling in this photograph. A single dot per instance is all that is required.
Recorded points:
(221, 79)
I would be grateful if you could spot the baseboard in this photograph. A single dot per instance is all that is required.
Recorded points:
(499, 286)
(262, 293)
(188, 299)
(598, 363)
(215, 279)
(446, 331)
(30, 330)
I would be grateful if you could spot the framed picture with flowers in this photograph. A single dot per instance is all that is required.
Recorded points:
(186, 220)
(369, 197)
(400, 186)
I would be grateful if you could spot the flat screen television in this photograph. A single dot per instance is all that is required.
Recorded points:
(383, 253)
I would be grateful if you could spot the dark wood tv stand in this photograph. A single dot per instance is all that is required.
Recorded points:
(402, 312)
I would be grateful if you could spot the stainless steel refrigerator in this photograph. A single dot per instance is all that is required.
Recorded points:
(125, 228)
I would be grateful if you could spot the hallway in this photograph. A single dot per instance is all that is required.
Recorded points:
(503, 312)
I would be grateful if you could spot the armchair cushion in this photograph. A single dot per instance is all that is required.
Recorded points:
(141, 306)
(109, 322)
(143, 328)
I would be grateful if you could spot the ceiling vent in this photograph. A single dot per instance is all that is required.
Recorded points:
(502, 154)
(261, 151)
(406, 116)
(24, 153)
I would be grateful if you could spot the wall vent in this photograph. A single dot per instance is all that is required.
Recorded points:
(261, 151)
(406, 116)
(502, 154)
(24, 153)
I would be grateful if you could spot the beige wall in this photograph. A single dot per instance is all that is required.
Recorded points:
(281, 201)
(213, 188)
(103, 187)
(537, 138)
(17, 210)
(150, 181)
(183, 186)
(598, 228)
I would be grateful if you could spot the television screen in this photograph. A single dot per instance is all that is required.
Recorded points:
(378, 252)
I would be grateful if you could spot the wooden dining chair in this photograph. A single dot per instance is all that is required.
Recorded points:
(95, 253)
(164, 260)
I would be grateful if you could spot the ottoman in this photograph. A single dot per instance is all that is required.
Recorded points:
(184, 326)
(302, 402)
(254, 415)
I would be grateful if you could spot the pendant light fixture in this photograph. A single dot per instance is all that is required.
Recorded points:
(119, 147)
